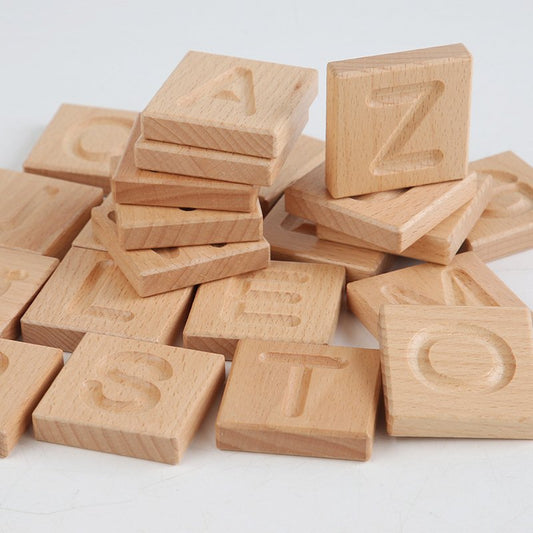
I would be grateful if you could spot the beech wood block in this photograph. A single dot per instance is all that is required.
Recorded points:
(86, 238)
(397, 120)
(26, 371)
(294, 239)
(142, 227)
(307, 154)
(393, 220)
(457, 371)
(230, 104)
(166, 269)
(88, 293)
(293, 302)
(440, 244)
(82, 144)
(22, 274)
(206, 163)
(129, 397)
(132, 185)
(466, 281)
(43, 214)
(300, 399)
(506, 226)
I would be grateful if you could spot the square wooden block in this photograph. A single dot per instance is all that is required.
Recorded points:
(457, 371)
(440, 244)
(82, 144)
(42, 214)
(230, 104)
(300, 399)
(129, 397)
(166, 269)
(293, 302)
(132, 185)
(26, 371)
(294, 239)
(397, 120)
(88, 293)
(142, 227)
(506, 226)
(86, 238)
(392, 219)
(465, 281)
(22, 274)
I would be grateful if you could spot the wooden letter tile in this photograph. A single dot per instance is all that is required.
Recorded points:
(88, 293)
(42, 214)
(82, 144)
(166, 269)
(440, 244)
(129, 397)
(293, 302)
(397, 120)
(294, 239)
(457, 371)
(230, 104)
(300, 399)
(26, 371)
(506, 226)
(22, 274)
(142, 227)
(466, 281)
(132, 185)
(392, 219)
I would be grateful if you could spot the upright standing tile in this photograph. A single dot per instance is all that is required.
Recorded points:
(397, 120)
(457, 371)
(82, 144)
(466, 281)
(22, 274)
(506, 226)
(166, 269)
(42, 214)
(230, 104)
(26, 371)
(294, 239)
(440, 244)
(293, 302)
(392, 219)
(300, 399)
(88, 293)
(129, 397)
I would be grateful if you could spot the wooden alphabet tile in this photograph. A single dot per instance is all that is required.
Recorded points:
(230, 104)
(457, 371)
(293, 302)
(506, 226)
(206, 163)
(294, 239)
(166, 269)
(142, 227)
(43, 214)
(129, 397)
(300, 399)
(393, 220)
(22, 274)
(82, 144)
(440, 244)
(26, 371)
(132, 185)
(88, 293)
(307, 154)
(397, 120)
(465, 281)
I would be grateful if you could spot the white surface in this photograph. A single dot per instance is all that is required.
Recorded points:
(117, 55)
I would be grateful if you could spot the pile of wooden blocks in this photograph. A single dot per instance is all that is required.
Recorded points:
(177, 248)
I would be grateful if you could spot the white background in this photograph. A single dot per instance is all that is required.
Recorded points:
(117, 54)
